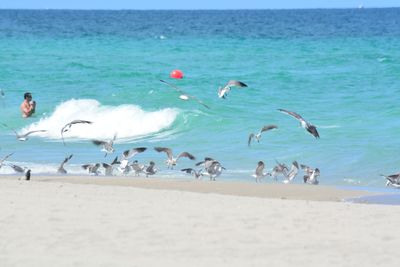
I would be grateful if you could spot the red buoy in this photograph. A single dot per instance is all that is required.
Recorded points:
(176, 74)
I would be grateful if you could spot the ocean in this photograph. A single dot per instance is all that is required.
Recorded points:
(338, 68)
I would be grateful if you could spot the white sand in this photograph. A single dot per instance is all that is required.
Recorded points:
(64, 224)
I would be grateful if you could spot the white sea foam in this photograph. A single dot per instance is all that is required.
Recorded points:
(127, 121)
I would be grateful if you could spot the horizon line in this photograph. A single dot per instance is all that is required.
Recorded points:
(195, 9)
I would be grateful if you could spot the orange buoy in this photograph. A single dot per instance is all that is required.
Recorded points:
(176, 74)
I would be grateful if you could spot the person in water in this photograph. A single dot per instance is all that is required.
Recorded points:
(28, 106)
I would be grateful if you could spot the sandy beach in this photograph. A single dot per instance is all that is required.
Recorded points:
(87, 221)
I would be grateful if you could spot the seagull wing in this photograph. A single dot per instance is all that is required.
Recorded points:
(293, 114)
(188, 170)
(250, 137)
(99, 143)
(132, 152)
(268, 127)
(6, 157)
(80, 121)
(31, 132)
(186, 155)
(166, 150)
(173, 86)
(5, 125)
(236, 83)
(199, 101)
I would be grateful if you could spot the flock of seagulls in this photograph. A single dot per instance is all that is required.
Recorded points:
(208, 167)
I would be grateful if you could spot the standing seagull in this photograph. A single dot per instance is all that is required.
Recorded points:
(61, 168)
(22, 137)
(171, 161)
(310, 174)
(68, 126)
(107, 145)
(258, 135)
(212, 167)
(5, 158)
(259, 174)
(185, 96)
(305, 124)
(223, 91)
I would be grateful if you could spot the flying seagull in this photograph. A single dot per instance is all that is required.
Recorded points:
(305, 124)
(24, 136)
(107, 145)
(5, 158)
(68, 126)
(223, 91)
(258, 135)
(61, 168)
(183, 95)
(392, 180)
(280, 168)
(294, 170)
(171, 160)
(259, 173)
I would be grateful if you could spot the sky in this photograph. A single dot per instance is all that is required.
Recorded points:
(190, 4)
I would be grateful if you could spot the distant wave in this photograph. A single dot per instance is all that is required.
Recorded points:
(127, 121)
(329, 126)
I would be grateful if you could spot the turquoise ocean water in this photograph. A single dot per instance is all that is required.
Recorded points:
(339, 69)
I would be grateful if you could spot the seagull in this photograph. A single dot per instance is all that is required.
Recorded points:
(392, 180)
(171, 161)
(22, 137)
(127, 154)
(107, 145)
(28, 175)
(151, 170)
(294, 170)
(280, 168)
(258, 135)
(24, 170)
(137, 167)
(212, 167)
(5, 158)
(68, 126)
(223, 91)
(92, 168)
(185, 96)
(110, 167)
(61, 168)
(259, 174)
(310, 176)
(305, 124)
(195, 173)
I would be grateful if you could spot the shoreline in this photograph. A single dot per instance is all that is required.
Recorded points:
(234, 188)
